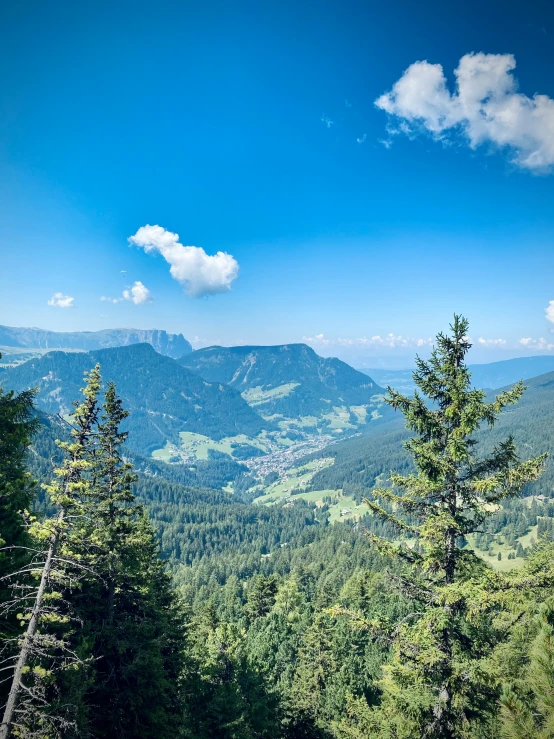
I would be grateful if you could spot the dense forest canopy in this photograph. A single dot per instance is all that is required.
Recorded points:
(142, 599)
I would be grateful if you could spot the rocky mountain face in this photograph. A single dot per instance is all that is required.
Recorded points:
(172, 345)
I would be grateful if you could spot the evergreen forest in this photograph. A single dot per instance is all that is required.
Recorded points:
(143, 600)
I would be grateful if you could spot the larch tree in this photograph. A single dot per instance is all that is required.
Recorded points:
(435, 685)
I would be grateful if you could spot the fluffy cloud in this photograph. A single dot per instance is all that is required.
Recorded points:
(536, 344)
(199, 273)
(550, 311)
(491, 342)
(59, 300)
(317, 340)
(327, 121)
(390, 340)
(486, 107)
(137, 294)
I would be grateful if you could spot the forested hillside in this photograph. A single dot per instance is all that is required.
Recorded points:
(164, 397)
(276, 623)
(290, 381)
(359, 461)
(491, 375)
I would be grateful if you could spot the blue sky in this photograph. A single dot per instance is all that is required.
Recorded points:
(251, 129)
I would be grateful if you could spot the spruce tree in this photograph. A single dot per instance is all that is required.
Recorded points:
(435, 684)
(17, 425)
(528, 704)
(41, 586)
(132, 623)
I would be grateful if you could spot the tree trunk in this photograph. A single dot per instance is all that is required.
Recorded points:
(5, 727)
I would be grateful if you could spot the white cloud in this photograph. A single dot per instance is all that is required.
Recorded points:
(361, 139)
(318, 340)
(105, 299)
(536, 344)
(491, 342)
(486, 107)
(327, 121)
(390, 340)
(136, 294)
(199, 273)
(550, 311)
(59, 300)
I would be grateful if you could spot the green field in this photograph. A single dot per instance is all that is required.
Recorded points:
(292, 486)
(198, 446)
(293, 481)
(505, 564)
(340, 502)
(258, 396)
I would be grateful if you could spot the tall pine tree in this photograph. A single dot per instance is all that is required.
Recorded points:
(17, 425)
(435, 685)
(133, 625)
(42, 590)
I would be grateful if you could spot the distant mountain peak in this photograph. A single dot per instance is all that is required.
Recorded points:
(163, 397)
(172, 345)
(292, 381)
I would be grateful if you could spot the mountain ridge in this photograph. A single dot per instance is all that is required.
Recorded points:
(163, 397)
(289, 380)
(171, 345)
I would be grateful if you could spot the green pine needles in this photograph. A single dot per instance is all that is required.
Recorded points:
(436, 684)
(102, 636)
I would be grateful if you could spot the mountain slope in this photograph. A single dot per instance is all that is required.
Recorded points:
(485, 376)
(163, 397)
(359, 461)
(290, 381)
(172, 345)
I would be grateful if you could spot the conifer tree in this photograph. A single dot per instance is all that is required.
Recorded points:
(527, 704)
(435, 685)
(17, 425)
(55, 567)
(132, 623)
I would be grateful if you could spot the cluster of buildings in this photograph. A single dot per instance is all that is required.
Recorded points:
(281, 460)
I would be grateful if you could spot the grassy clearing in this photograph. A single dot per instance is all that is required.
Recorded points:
(198, 446)
(339, 418)
(298, 423)
(293, 481)
(348, 505)
(504, 564)
(258, 396)
(293, 486)
(341, 508)
(360, 411)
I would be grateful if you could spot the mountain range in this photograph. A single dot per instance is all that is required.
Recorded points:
(361, 461)
(291, 381)
(172, 345)
(485, 376)
(163, 397)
